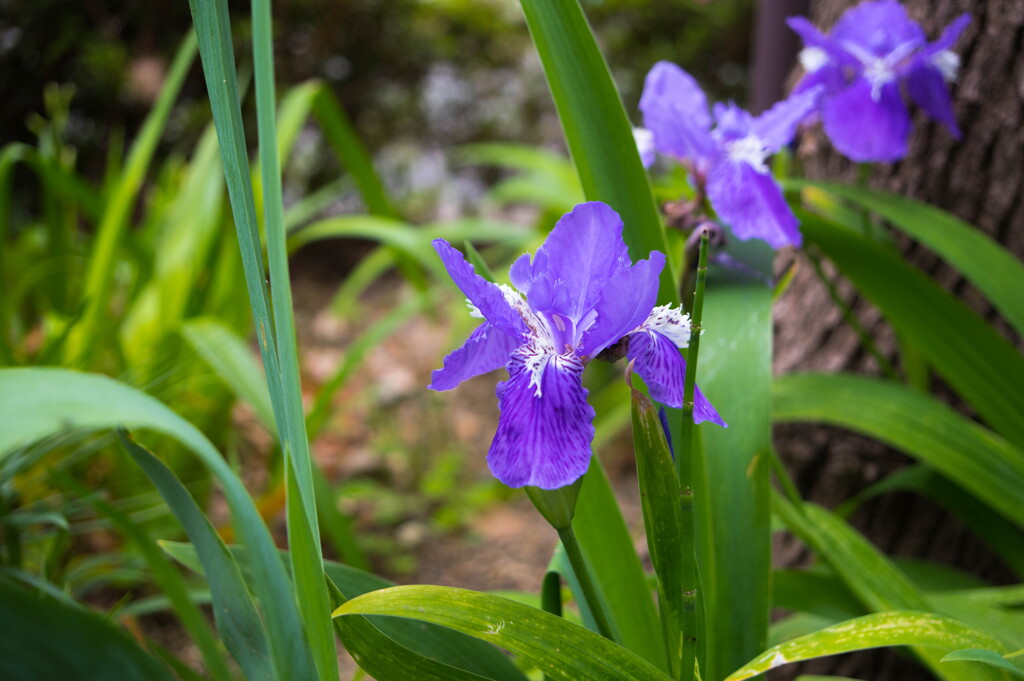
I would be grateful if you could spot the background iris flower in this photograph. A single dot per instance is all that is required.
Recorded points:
(583, 295)
(727, 161)
(872, 53)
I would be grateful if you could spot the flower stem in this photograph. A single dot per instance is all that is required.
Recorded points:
(586, 582)
(689, 582)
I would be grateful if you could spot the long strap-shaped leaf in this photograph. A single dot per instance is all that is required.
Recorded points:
(897, 628)
(600, 140)
(596, 127)
(40, 402)
(100, 275)
(919, 425)
(562, 650)
(982, 261)
(301, 511)
(869, 574)
(732, 497)
(975, 360)
(233, 608)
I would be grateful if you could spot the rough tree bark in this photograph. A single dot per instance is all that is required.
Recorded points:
(979, 178)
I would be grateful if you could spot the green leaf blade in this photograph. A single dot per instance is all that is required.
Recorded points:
(561, 649)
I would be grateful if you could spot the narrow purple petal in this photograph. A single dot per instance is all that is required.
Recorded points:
(703, 410)
(879, 27)
(752, 204)
(486, 349)
(927, 87)
(808, 32)
(487, 297)
(863, 129)
(572, 267)
(776, 126)
(625, 303)
(676, 112)
(546, 426)
(813, 38)
(950, 35)
(657, 361)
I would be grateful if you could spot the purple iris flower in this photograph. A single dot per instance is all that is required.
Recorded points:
(583, 295)
(728, 161)
(875, 51)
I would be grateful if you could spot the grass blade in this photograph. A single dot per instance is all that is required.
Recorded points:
(233, 607)
(100, 274)
(41, 402)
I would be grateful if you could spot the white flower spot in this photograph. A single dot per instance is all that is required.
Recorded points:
(879, 73)
(751, 150)
(813, 58)
(644, 140)
(670, 322)
(948, 64)
(778, 659)
(474, 311)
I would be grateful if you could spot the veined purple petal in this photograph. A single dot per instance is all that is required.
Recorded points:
(751, 203)
(625, 303)
(879, 27)
(776, 126)
(546, 426)
(487, 348)
(676, 111)
(572, 267)
(927, 87)
(657, 360)
(487, 297)
(865, 129)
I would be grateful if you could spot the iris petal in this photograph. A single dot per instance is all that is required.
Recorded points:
(657, 360)
(625, 303)
(676, 111)
(752, 204)
(546, 425)
(579, 256)
(776, 126)
(487, 348)
(488, 298)
(927, 87)
(865, 129)
(879, 26)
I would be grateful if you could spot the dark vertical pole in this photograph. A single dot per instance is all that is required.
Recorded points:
(775, 47)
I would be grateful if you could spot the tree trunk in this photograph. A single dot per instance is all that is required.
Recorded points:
(978, 178)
